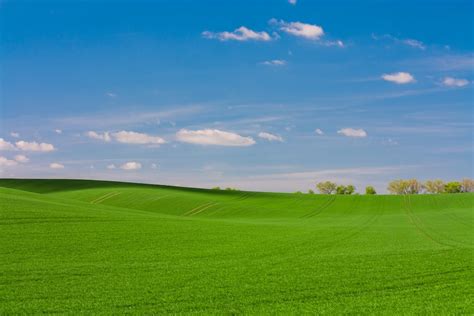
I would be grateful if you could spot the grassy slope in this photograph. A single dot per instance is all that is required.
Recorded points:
(103, 247)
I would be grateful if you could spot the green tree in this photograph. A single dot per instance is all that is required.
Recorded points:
(341, 189)
(453, 187)
(370, 190)
(310, 191)
(350, 189)
(326, 187)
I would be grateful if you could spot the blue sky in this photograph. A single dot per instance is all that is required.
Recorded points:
(259, 95)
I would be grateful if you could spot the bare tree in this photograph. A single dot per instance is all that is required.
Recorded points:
(410, 186)
(467, 185)
(434, 186)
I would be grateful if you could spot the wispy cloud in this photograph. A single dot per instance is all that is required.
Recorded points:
(299, 29)
(240, 34)
(352, 132)
(56, 165)
(455, 82)
(408, 41)
(270, 137)
(274, 62)
(129, 137)
(131, 165)
(213, 137)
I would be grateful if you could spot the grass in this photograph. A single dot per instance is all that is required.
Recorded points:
(94, 247)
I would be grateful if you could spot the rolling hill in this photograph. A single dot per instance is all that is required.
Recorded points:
(98, 247)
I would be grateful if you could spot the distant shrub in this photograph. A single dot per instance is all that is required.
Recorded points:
(310, 191)
(453, 187)
(370, 190)
(216, 188)
(341, 189)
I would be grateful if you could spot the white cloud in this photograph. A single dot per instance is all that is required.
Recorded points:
(111, 94)
(274, 62)
(58, 131)
(399, 77)
(154, 166)
(455, 82)
(308, 31)
(21, 158)
(240, 34)
(34, 146)
(131, 165)
(351, 132)
(111, 166)
(213, 137)
(4, 162)
(293, 2)
(14, 134)
(270, 137)
(319, 131)
(100, 136)
(56, 165)
(5, 145)
(129, 137)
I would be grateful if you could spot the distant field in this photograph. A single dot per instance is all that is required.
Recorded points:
(94, 247)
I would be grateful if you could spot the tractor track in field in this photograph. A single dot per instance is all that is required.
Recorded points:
(417, 223)
(321, 208)
(200, 209)
(105, 197)
(450, 215)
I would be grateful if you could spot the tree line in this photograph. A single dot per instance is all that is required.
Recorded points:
(402, 186)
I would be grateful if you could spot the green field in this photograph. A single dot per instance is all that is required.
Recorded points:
(91, 247)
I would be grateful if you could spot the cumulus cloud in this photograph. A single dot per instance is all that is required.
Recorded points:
(58, 131)
(319, 131)
(4, 162)
(293, 2)
(213, 137)
(351, 132)
(455, 82)
(14, 134)
(131, 165)
(6, 145)
(34, 146)
(129, 137)
(100, 136)
(240, 34)
(274, 62)
(270, 137)
(111, 94)
(154, 166)
(56, 165)
(399, 77)
(305, 30)
(21, 159)
(111, 166)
